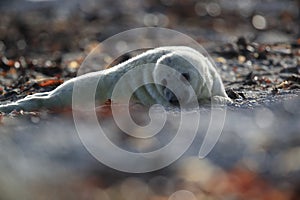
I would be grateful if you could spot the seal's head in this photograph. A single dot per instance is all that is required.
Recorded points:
(186, 78)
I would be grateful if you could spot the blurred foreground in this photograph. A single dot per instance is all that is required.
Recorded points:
(43, 43)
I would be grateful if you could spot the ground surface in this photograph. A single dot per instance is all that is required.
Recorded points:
(257, 156)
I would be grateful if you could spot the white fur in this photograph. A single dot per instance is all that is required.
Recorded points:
(203, 78)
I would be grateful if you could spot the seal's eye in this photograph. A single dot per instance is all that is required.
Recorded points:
(164, 82)
(186, 76)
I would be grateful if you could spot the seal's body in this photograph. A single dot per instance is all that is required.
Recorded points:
(192, 66)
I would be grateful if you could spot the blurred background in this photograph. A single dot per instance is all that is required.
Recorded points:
(255, 44)
(44, 26)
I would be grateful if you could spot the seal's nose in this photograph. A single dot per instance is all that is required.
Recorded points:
(170, 96)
